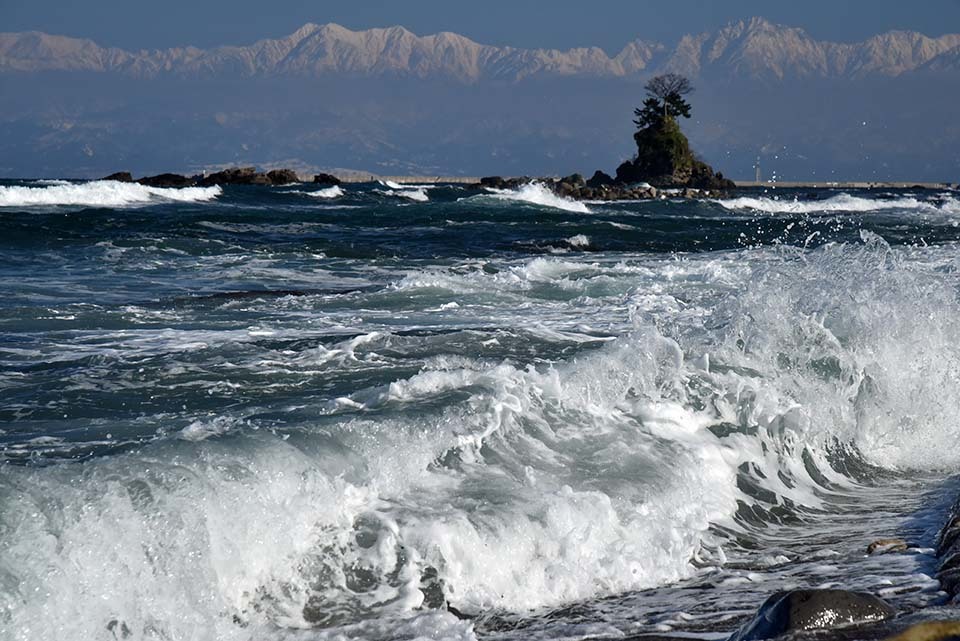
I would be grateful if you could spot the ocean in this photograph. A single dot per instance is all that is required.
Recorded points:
(386, 411)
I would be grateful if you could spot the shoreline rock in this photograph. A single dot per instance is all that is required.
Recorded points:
(948, 551)
(798, 610)
(167, 180)
(326, 179)
(602, 187)
(231, 176)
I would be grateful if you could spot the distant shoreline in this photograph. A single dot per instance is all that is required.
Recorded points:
(831, 184)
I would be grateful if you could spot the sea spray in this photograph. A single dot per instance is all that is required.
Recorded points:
(260, 419)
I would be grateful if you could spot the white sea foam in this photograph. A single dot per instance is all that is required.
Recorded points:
(101, 193)
(537, 194)
(418, 195)
(330, 192)
(535, 487)
(579, 241)
(200, 430)
(838, 203)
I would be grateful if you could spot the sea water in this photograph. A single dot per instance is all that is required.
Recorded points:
(394, 412)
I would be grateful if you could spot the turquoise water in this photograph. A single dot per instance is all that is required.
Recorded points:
(297, 412)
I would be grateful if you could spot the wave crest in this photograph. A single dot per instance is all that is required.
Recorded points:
(538, 194)
(839, 203)
(101, 193)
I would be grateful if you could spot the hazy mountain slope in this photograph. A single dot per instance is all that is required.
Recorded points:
(754, 49)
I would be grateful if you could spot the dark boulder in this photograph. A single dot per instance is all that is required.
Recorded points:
(282, 176)
(492, 182)
(574, 179)
(120, 177)
(499, 182)
(167, 180)
(326, 179)
(812, 610)
(948, 549)
(565, 189)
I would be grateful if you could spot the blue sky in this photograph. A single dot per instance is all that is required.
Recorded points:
(524, 23)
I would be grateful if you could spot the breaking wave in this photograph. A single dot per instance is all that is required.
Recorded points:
(101, 193)
(537, 194)
(418, 195)
(330, 192)
(838, 203)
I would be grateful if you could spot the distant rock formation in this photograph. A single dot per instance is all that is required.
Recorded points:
(232, 176)
(120, 177)
(167, 180)
(326, 179)
(664, 160)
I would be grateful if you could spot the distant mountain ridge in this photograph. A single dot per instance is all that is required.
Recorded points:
(754, 49)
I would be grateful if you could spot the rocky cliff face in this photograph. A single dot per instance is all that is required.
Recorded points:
(755, 49)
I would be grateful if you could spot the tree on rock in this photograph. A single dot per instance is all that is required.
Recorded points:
(665, 99)
(664, 158)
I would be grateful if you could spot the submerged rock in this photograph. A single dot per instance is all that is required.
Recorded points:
(812, 610)
(883, 546)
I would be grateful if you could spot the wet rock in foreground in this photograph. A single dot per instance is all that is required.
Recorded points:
(798, 610)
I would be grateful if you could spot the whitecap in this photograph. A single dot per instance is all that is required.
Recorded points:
(538, 194)
(329, 192)
(101, 193)
(838, 203)
(418, 195)
(579, 241)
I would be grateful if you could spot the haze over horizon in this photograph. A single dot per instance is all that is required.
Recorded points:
(609, 24)
(377, 100)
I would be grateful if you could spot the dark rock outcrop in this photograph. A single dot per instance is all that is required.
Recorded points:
(600, 179)
(948, 549)
(664, 159)
(249, 176)
(282, 176)
(235, 176)
(120, 177)
(167, 180)
(812, 610)
(326, 179)
(499, 182)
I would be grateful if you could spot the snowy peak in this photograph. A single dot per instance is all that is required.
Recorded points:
(755, 49)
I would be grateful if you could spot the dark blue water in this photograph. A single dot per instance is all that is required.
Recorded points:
(295, 412)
